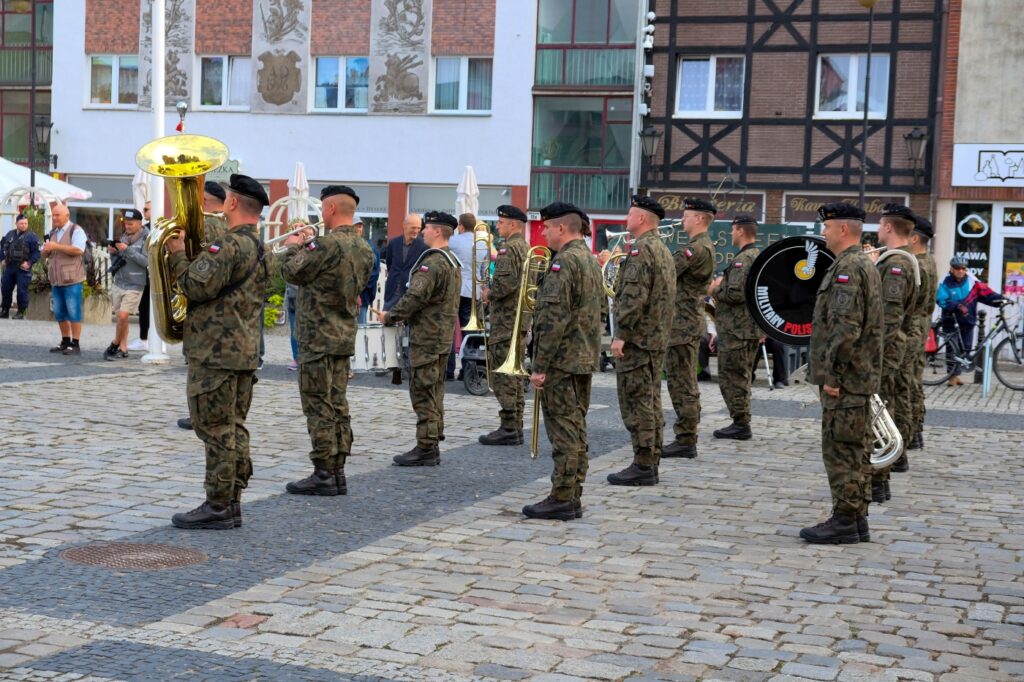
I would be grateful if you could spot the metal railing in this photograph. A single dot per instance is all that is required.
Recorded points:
(590, 191)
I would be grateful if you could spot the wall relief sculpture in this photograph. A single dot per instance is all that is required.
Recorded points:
(399, 56)
(280, 49)
(179, 51)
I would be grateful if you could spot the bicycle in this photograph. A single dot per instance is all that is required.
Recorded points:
(1007, 358)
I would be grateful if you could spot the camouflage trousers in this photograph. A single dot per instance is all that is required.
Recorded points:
(565, 401)
(681, 369)
(509, 390)
(322, 386)
(895, 393)
(846, 452)
(426, 392)
(218, 402)
(915, 365)
(735, 363)
(638, 378)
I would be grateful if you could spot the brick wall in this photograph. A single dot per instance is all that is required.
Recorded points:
(341, 28)
(224, 27)
(112, 26)
(463, 27)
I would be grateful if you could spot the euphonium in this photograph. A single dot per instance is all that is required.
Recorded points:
(182, 160)
(481, 238)
(610, 272)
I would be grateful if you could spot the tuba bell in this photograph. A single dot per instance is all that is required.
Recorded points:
(182, 160)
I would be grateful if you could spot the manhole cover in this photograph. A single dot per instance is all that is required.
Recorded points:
(132, 556)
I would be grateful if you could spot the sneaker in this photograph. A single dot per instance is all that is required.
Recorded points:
(60, 348)
(110, 350)
(139, 344)
(259, 365)
(72, 350)
(293, 366)
(19, 316)
(118, 354)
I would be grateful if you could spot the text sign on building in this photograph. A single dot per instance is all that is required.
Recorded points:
(728, 206)
(802, 208)
(988, 165)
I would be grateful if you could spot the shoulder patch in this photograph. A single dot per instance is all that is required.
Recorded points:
(738, 264)
(203, 265)
(555, 267)
(689, 254)
(502, 252)
(634, 252)
(842, 279)
(312, 245)
(896, 271)
(214, 247)
(424, 268)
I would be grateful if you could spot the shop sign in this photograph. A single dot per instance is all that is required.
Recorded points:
(728, 206)
(803, 208)
(988, 165)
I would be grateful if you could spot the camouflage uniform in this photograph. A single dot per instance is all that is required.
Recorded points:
(567, 342)
(737, 336)
(431, 307)
(330, 272)
(645, 292)
(503, 298)
(899, 298)
(695, 264)
(846, 341)
(923, 310)
(225, 286)
(215, 226)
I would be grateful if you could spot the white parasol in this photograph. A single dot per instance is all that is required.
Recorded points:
(467, 194)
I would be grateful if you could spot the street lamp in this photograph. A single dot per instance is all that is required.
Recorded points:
(870, 5)
(650, 138)
(916, 140)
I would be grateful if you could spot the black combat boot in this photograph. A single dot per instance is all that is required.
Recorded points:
(862, 529)
(634, 474)
(915, 442)
(339, 480)
(20, 315)
(878, 491)
(501, 436)
(838, 530)
(236, 508)
(419, 457)
(920, 439)
(901, 465)
(676, 449)
(320, 482)
(4, 313)
(211, 515)
(734, 431)
(888, 493)
(520, 434)
(550, 508)
(577, 507)
(185, 423)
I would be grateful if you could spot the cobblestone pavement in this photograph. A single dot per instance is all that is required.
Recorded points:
(433, 574)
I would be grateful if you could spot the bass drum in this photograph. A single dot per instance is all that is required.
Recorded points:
(782, 285)
(377, 348)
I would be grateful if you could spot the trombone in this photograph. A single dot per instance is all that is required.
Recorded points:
(317, 230)
(278, 212)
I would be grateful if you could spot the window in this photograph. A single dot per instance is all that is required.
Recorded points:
(582, 132)
(224, 82)
(710, 87)
(587, 22)
(342, 83)
(462, 84)
(114, 80)
(835, 74)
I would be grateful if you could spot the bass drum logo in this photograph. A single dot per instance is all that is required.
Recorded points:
(804, 268)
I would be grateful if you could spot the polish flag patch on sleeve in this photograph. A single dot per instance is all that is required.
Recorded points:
(738, 264)
(634, 252)
(896, 271)
(842, 279)
(424, 268)
(689, 254)
(214, 248)
(556, 267)
(502, 252)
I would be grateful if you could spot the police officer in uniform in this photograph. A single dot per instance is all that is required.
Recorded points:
(694, 263)
(567, 342)
(645, 291)
(502, 297)
(846, 341)
(330, 272)
(431, 307)
(738, 336)
(922, 234)
(19, 251)
(899, 301)
(225, 286)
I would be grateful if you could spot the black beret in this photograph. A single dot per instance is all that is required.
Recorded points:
(440, 218)
(335, 190)
(247, 187)
(898, 211)
(214, 189)
(559, 209)
(744, 219)
(132, 214)
(699, 205)
(924, 226)
(840, 209)
(513, 212)
(648, 204)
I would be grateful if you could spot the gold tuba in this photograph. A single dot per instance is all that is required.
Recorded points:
(182, 160)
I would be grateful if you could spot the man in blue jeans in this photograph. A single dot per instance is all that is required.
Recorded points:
(958, 296)
(66, 271)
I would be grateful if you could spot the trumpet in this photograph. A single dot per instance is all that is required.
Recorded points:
(317, 230)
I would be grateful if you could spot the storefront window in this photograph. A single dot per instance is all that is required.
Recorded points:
(1013, 266)
(973, 237)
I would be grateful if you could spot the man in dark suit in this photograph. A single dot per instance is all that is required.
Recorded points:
(400, 255)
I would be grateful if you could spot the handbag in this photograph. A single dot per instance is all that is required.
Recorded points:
(931, 345)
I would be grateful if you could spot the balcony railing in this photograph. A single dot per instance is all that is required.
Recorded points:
(597, 67)
(16, 66)
(592, 191)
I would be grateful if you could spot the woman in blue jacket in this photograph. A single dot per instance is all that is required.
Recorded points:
(958, 296)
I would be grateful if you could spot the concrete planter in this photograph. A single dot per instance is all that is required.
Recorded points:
(95, 309)
(39, 306)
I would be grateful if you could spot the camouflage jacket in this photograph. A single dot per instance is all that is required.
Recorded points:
(731, 315)
(925, 304)
(504, 290)
(225, 286)
(695, 264)
(215, 226)
(899, 297)
(846, 333)
(430, 305)
(331, 271)
(645, 293)
(567, 318)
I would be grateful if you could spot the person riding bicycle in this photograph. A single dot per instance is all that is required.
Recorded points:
(958, 296)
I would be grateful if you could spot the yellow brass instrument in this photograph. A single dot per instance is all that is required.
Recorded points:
(536, 264)
(480, 275)
(182, 160)
(278, 215)
(317, 229)
(610, 273)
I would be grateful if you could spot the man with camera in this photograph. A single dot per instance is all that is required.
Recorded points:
(128, 264)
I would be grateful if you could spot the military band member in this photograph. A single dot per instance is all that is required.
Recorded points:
(899, 298)
(330, 271)
(846, 341)
(502, 297)
(694, 263)
(925, 306)
(431, 307)
(645, 291)
(738, 336)
(225, 286)
(567, 342)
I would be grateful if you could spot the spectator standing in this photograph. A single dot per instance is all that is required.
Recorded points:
(130, 268)
(66, 271)
(19, 251)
